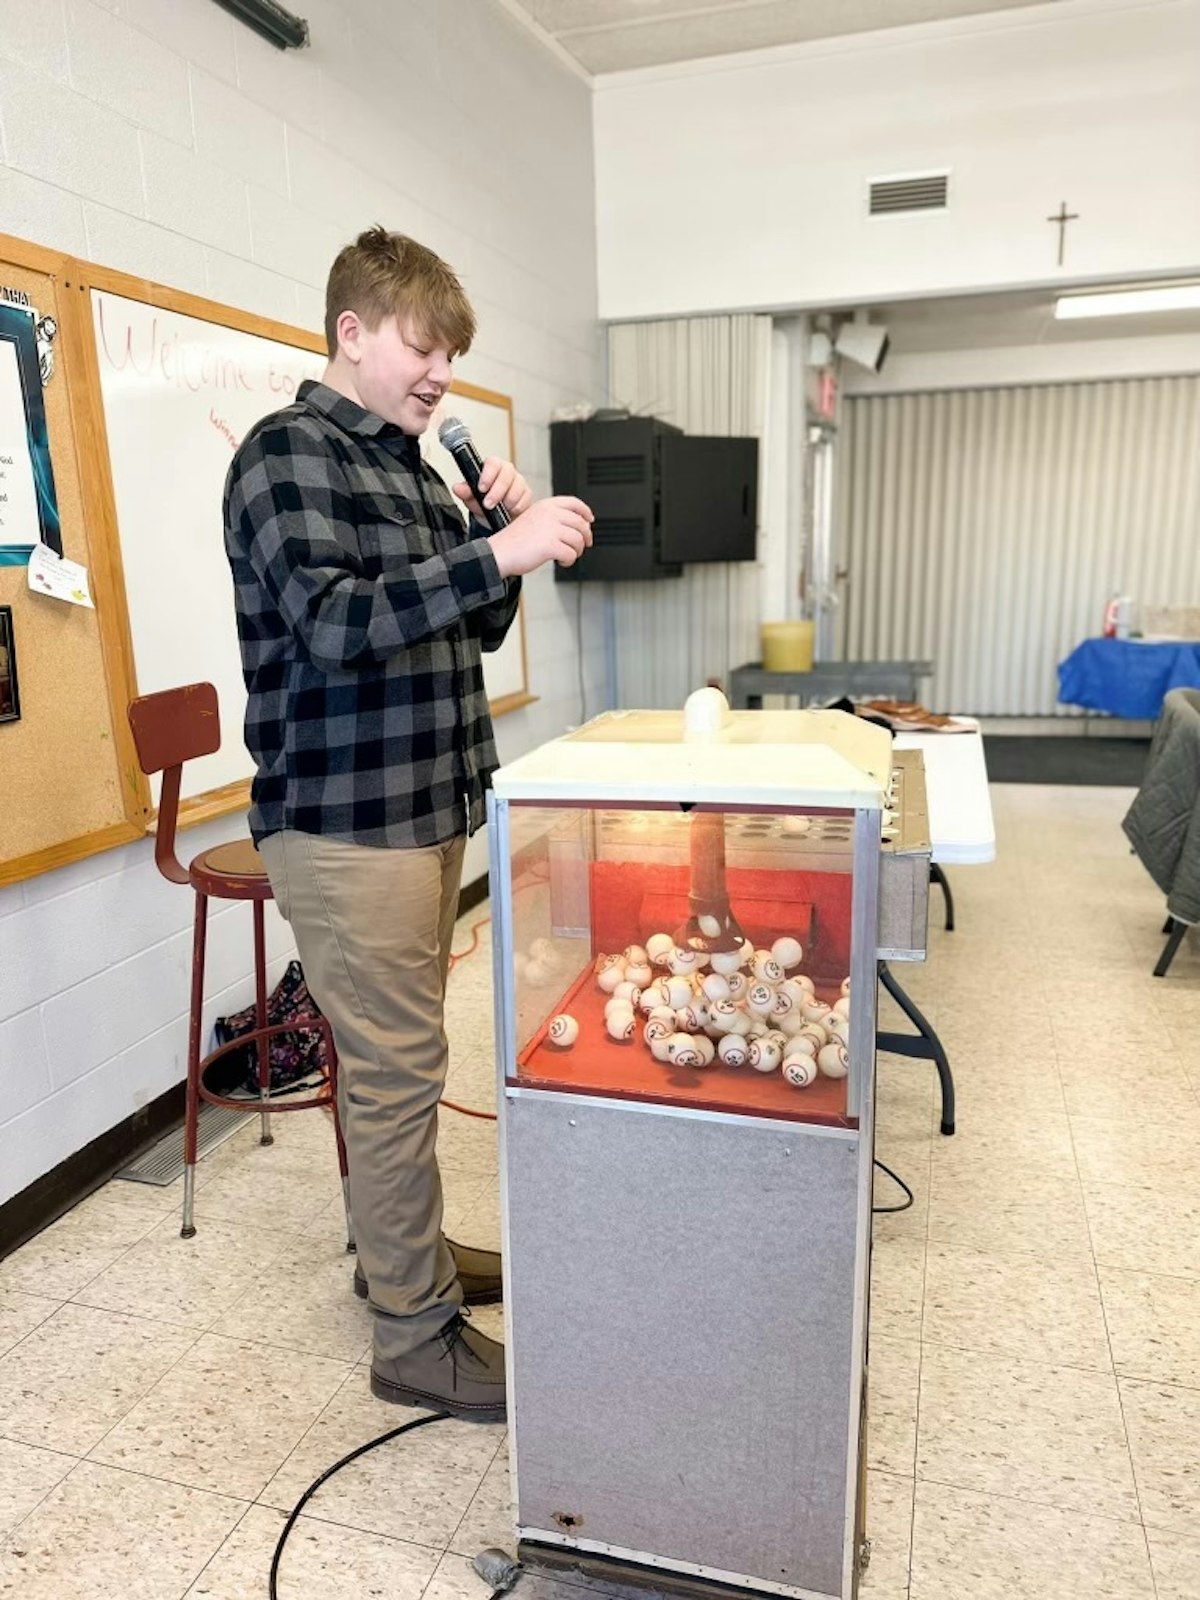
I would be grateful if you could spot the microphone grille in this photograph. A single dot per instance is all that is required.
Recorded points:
(452, 432)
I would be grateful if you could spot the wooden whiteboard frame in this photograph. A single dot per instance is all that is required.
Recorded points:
(88, 408)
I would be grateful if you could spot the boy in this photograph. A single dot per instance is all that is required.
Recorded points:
(363, 605)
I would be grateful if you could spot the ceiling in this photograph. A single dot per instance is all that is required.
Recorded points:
(980, 321)
(615, 35)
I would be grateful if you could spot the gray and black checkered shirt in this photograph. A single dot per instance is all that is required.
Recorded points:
(363, 603)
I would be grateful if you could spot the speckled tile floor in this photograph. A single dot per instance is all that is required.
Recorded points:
(1035, 1373)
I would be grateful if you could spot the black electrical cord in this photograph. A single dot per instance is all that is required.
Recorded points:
(887, 1211)
(394, 1433)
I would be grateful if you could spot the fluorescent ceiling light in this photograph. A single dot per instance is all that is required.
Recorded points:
(1128, 302)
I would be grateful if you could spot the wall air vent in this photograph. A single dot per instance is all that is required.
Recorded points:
(922, 191)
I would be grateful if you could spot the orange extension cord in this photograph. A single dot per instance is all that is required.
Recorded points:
(456, 957)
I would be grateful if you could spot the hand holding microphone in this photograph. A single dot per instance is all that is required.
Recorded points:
(530, 533)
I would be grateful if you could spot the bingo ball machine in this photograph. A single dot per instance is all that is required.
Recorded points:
(685, 910)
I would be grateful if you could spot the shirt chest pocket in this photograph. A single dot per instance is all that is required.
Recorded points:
(392, 535)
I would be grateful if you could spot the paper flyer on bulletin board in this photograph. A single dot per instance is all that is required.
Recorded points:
(28, 504)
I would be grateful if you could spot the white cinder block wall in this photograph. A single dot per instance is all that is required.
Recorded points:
(163, 138)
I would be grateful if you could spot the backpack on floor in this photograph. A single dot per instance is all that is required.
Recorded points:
(295, 1057)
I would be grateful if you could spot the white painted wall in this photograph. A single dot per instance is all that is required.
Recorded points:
(163, 138)
(741, 182)
(1076, 362)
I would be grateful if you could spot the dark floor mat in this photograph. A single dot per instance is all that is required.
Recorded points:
(1028, 758)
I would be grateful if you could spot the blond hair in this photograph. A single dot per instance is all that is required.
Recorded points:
(388, 274)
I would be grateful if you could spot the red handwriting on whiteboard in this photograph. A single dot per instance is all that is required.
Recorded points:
(185, 362)
(223, 428)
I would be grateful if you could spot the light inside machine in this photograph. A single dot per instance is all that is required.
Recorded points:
(686, 955)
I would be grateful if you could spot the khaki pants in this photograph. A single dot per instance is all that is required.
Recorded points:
(373, 928)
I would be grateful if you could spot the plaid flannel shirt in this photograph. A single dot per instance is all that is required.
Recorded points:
(363, 603)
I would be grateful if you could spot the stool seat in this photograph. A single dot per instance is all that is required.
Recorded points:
(231, 872)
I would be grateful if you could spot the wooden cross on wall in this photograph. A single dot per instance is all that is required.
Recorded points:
(1064, 216)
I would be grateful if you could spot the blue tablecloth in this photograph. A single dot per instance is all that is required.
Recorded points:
(1127, 677)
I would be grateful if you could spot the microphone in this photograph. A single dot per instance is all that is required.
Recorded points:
(455, 437)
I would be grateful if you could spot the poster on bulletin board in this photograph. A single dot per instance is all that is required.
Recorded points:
(28, 505)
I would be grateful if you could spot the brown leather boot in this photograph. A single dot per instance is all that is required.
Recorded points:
(478, 1272)
(459, 1370)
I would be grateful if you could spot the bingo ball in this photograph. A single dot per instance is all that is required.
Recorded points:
(796, 826)
(635, 955)
(845, 985)
(615, 1003)
(804, 984)
(732, 1050)
(838, 1030)
(789, 1023)
(660, 1048)
(683, 960)
(765, 967)
(657, 994)
(841, 1008)
(815, 1010)
(603, 961)
(709, 927)
(723, 1015)
(608, 978)
(743, 1024)
(763, 1055)
(563, 1031)
(787, 952)
(738, 984)
(725, 961)
(801, 1043)
(833, 1061)
(707, 1049)
(785, 1004)
(684, 1050)
(779, 1039)
(620, 1025)
(715, 987)
(815, 1032)
(658, 1028)
(639, 972)
(659, 948)
(800, 1071)
(628, 991)
(690, 1019)
(679, 992)
(760, 998)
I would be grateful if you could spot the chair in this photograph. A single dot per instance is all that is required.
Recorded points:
(1163, 823)
(169, 728)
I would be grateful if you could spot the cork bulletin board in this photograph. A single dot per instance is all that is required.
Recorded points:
(70, 783)
(152, 391)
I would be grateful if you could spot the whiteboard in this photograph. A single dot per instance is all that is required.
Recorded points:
(179, 394)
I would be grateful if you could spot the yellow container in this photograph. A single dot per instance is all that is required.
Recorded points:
(787, 646)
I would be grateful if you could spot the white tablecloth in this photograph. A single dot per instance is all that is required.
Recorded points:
(961, 827)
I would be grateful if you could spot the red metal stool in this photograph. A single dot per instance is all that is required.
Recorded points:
(170, 728)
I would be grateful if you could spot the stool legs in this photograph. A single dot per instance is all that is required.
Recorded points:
(343, 1165)
(260, 1019)
(191, 1114)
